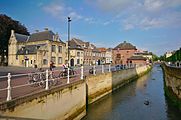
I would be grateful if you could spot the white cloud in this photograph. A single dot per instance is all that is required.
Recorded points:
(153, 5)
(142, 14)
(61, 11)
(75, 16)
(54, 9)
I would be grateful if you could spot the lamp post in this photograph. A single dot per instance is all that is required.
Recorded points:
(69, 20)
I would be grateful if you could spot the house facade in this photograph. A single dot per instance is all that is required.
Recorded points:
(36, 50)
(122, 52)
(76, 52)
(108, 56)
(138, 60)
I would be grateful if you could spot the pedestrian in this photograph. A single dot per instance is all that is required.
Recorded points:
(51, 65)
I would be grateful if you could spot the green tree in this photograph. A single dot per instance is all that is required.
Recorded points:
(6, 25)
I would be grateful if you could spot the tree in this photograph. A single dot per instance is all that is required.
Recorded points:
(6, 25)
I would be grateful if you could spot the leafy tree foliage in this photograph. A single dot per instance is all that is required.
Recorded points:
(6, 25)
(175, 57)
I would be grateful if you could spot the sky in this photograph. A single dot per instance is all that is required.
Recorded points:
(153, 25)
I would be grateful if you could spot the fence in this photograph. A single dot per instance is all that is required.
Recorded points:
(14, 86)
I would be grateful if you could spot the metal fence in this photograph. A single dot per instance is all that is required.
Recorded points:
(14, 86)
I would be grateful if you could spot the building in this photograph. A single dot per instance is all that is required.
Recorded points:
(36, 50)
(145, 54)
(168, 54)
(76, 51)
(137, 60)
(122, 52)
(108, 56)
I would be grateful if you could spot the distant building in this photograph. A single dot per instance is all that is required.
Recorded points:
(36, 50)
(76, 53)
(137, 60)
(92, 55)
(145, 54)
(168, 54)
(122, 52)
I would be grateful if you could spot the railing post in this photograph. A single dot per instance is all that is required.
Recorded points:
(82, 72)
(68, 76)
(109, 68)
(94, 70)
(9, 87)
(46, 87)
(102, 68)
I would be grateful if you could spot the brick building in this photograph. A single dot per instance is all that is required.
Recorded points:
(122, 52)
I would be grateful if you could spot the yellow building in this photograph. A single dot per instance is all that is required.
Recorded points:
(76, 53)
(36, 50)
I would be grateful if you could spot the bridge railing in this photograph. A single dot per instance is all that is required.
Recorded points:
(15, 85)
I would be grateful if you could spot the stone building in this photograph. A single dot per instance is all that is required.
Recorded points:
(88, 51)
(108, 56)
(36, 50)
(76, 51)
(122, 52)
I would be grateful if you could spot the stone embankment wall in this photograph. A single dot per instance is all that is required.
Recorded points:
(102, 84)
(67, 102)
(172, 80)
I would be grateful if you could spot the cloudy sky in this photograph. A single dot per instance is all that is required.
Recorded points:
(153, 25)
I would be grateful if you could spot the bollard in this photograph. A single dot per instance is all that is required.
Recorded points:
(94, 70)
(109, 68)
(82, 72)
(102, 68)
(9, 87)
(68, 76)
(46, 87)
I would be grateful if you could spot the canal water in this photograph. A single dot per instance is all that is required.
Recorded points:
(142, 99)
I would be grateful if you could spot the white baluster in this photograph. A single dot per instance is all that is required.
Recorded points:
(47, 87)
(9, 87)
(68, 76)
(82, 72)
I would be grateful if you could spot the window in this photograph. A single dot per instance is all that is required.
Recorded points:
(45, 61)
(53, 48)
(118, 55)
(60, 49)
(78, 54)
(78, 61)
(31, 61)
(59, 60)
(53, 59)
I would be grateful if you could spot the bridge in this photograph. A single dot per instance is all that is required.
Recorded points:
(51, 90)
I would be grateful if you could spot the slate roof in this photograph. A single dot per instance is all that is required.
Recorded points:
(30, 49)
(73, 44)
(45, 35)
(125, 46)
(137, 58)
(21, 38)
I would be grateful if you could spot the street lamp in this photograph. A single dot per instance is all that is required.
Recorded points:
(69, 20)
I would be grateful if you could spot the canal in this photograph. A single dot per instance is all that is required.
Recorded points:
(142, 99)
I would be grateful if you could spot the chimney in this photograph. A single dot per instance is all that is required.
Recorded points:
(46, 29)
(12, 32)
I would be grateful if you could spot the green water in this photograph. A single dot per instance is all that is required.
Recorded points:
(128, 102)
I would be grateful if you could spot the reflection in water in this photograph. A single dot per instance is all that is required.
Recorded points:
(127, 103)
